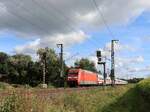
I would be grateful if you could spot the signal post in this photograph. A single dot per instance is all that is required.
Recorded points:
(99, 56)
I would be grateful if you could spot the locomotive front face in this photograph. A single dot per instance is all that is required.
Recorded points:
(72, 78)
(73, 74)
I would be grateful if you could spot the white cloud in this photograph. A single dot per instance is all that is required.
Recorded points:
(29, 47)
(55, 20)
(133, 60)
(119, 47)
(122, 63)
(94, 59)
(139, 69)
(126, 66)
(67, 40)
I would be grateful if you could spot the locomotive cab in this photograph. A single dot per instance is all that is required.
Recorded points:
(72, 78)
(80, 77)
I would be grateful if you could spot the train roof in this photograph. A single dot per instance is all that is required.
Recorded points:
(84, 70)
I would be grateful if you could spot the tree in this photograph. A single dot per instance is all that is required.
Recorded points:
(43, 58)
(86, 64)
(49, 63)
(3, 63)
(34, 74)
(22, 70)
(18, 67)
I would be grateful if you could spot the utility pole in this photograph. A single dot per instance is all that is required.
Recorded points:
(62, 64)
(61, 60)
(112, 75)
(44, 67)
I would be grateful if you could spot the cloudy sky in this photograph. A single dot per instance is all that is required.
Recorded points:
(26, 25)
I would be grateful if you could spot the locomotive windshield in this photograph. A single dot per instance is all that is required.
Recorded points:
(73, 73)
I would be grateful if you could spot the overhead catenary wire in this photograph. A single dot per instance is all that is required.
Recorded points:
(24, 19)
(64, 16)
(103, 19)
(11, 12)
(34, 23)
(72, 28)
(54, 17)
(71, 57)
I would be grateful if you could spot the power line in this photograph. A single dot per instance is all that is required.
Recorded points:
(46, 10)
(103, 19)
(62, 14)
(25, 19)
(32, 14)
(71, 57)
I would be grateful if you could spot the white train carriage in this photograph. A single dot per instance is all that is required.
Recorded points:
(120, 82)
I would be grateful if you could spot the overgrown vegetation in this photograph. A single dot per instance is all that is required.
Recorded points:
(20, 103)
(128, 98)
(84, 101)
(4, 86)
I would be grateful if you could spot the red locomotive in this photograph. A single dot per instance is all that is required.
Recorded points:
(80, 77)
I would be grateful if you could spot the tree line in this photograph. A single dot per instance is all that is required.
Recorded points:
(21, 69)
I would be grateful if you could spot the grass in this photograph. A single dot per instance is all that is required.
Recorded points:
(4, 86)
(83, 101)
(144, 88)
(128, 98)
(136, 99)
(21, 103)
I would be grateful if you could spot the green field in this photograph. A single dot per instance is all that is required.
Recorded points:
(128, 98)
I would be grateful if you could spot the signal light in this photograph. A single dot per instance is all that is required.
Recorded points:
(98, 53)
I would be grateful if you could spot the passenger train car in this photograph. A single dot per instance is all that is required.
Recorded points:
(80, 77)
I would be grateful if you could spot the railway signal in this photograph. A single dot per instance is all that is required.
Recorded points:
(99, 53)
(99, 56)
(105, 75)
